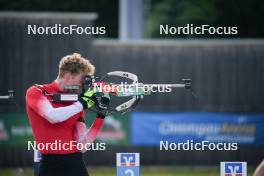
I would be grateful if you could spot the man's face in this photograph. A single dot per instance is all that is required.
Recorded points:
(72, 80)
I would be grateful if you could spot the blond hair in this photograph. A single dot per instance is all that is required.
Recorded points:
(75, 64)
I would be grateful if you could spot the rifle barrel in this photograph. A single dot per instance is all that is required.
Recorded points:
(155, 85)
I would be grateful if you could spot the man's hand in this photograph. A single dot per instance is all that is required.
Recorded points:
(102, 105)
(87, 99)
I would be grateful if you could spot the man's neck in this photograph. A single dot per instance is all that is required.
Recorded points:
(60, 83)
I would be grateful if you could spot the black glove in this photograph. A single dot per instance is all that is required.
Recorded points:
(101, 104)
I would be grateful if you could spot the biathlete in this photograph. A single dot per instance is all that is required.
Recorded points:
(63, 122)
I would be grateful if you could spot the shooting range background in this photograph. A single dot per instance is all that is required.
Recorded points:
(227, 77)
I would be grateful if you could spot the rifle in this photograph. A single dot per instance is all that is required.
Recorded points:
(103, 88)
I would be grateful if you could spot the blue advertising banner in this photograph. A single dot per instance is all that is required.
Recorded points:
(151, 128)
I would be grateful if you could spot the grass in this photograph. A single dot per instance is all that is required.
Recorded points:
(145, 171)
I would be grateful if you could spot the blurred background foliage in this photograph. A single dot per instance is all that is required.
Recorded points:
(245, 14)
(107, 10)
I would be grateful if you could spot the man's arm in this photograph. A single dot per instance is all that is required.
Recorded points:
(85, 136)
(41, 105)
